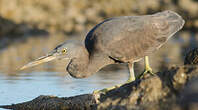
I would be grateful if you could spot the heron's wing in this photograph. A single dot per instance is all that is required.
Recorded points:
(125, 38)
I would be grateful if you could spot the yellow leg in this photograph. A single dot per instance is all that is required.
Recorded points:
(130, 79)
(148, 69)
(131, 73)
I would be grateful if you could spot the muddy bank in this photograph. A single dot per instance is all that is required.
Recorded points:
(172, 89)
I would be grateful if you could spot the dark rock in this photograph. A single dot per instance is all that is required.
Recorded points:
(174, 88)
(191, 57)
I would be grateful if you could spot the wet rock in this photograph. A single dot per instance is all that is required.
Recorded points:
(172, 89)
(82, 102)
(191, 57)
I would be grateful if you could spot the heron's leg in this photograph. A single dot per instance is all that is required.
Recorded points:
(107, 89)
(148, 69)
(131, 73)
(130, 79)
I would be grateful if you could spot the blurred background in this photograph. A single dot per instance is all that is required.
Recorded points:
(31, 28)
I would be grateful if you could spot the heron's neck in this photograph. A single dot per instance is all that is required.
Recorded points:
(86, 65)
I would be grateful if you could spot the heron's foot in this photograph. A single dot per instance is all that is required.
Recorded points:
(148, 69)
(131, 79)
(104, 91)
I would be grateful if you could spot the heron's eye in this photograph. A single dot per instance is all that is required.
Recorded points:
(64, 51)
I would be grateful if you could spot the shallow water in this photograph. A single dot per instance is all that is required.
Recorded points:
(26, 86)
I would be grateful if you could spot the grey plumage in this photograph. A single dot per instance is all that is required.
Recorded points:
(129, 38)
(125, 39)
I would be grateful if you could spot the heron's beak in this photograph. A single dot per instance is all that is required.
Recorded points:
(39, 61)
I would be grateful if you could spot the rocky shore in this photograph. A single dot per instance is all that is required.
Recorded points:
(172, 89)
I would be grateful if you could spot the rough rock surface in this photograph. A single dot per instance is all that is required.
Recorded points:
(174, 88)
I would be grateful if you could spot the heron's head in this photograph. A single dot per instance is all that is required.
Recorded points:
(166, 23)
(67, 50)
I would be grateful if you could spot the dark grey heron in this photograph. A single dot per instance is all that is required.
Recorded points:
(125, 39)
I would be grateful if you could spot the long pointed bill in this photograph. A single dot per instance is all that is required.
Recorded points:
(39, 61)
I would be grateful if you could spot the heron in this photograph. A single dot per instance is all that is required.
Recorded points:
(124, 39)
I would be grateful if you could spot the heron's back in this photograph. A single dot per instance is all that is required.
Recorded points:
(129, 38)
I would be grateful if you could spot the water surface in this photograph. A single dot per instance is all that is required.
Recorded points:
(27, 86)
